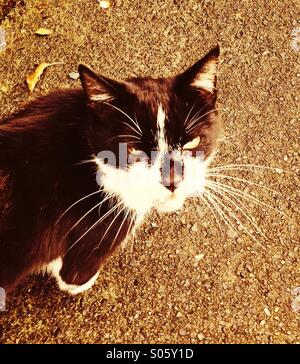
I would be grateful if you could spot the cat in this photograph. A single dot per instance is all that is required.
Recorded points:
(68, 199)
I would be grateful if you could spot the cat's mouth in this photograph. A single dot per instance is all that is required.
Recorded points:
(171, 203)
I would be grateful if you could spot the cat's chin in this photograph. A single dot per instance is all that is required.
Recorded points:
(169, 205)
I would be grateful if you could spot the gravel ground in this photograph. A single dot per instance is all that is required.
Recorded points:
(182, 279)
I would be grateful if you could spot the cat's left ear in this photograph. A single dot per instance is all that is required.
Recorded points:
(203, 74)
(98, 88)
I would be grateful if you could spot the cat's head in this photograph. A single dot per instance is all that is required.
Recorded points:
(154, 138)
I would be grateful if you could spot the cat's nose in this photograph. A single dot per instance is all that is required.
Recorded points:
(172, 187)
(172, 174)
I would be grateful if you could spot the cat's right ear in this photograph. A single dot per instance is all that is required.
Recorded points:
(98, 88)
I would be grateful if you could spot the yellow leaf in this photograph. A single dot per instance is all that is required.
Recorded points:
(43, 31)
(34, 77)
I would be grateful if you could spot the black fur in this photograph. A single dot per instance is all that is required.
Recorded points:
(41, 174)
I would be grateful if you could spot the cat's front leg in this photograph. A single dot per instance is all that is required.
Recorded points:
(78, 269)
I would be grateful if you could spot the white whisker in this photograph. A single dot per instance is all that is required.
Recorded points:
(75, 203)
(138, 130)
(109, 226)
(132, 128)
(128, 136)
(217, 175)
(137, 124)
(223, 216)
(121, 225)
(211, 209)
(221, 192)
(229, 210)
(245, 195)
(195, 116)
(92, 209)
(95, 224)
(189, 113)
(195, 122)
(244, 167)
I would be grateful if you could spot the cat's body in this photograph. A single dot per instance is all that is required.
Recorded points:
(63, 206)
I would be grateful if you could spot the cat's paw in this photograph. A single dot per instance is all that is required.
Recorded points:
(54, 268)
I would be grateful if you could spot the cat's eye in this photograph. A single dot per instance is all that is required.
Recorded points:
(192, 144)
(134, 151)
(136, 155)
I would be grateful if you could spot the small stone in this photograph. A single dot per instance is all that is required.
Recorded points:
(267, 311)
(183, 220)
(200, 337)
(182, 332)
(179, 314)
(2, 39)
(194, 228)
(200, 211)
(104, 4)
(74, 75)
(285, 158)
(249, 267)
(295, 291)
(232, 234)
(199, 257)
(296, 304)
(187, 283)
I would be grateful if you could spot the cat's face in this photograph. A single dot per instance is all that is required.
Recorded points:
(154, 138)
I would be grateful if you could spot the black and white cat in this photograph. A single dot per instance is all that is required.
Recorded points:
(79, 169)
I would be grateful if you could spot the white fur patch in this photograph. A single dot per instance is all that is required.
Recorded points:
(139, 186)
(54, 268)
(206, 78)
(161, 128)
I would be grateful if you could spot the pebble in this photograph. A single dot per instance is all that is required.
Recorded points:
(194, 228)
(104, 4)
(296, 291)
(179, 314)
(74, 75)
(296, 304)
(199, 257)
(249, 267)
(267, 311)
(199, 211)
(232, 234)
(200, 337)
(2, 39)
(182, 332)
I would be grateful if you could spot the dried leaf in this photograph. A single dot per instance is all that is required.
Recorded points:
(34, 77)
(43, 31)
